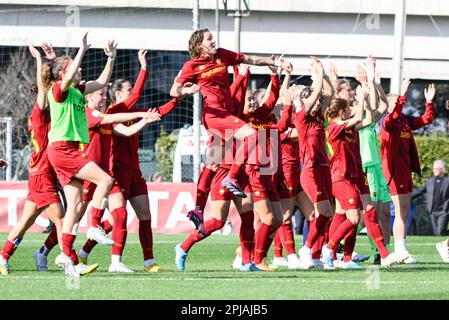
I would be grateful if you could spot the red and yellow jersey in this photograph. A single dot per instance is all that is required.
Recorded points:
(39, 125)
(342, 151)
(311, 138)
(211, 74)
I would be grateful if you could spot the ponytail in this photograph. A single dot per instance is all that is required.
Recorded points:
(335, 107)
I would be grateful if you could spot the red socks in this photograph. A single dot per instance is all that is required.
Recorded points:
(67, 246)
(375, 232)
(317, 227)
(203, 188)
(339, 234)
(52, 239)
(285, 233)
(119, 230)
(146, 239)
(8, 250)
(349, 246)
(209, 227)
(277, 245)
(263, 242)
(247, 236)
(96, 215)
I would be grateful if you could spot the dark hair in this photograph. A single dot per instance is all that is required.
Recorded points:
(50, 71)
(115, 86)
(335, 107)
(195, 41)
(259, 94)
(305, 93)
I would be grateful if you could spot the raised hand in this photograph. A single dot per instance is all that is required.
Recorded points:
(377, 77)
(361, 93)
(315, 66)
(49, 51)
(34, 52)
(84, 45)
(152, 115)
(361, 75)
(429, 93)
(333, 72)
(404, 86)
(143, 58)
(286, 65)
(369, 66)
(111, 49)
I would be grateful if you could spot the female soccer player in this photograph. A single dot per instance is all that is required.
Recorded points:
(68, 130)
(400, 158)
(208, 70)
(43, 194)
(315, 174)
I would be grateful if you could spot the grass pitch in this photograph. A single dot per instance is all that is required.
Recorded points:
(209, 275)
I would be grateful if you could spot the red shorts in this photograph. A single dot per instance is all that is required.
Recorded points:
(217, 192)
(281, 185)
(317, 183)
(400, 185)
(222, 124)
(262, 185)
(89, 189)
(131, 182)
(42, 190)
(292, 174)
(362, 183)
(347, 193)
(66, 159)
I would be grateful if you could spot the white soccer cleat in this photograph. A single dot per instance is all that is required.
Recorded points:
(119, 268)
(280, 262)
(4, 267)
(68, 266)
(99, 235)
(317, 263)
(41, 261)
(59, 261)
(349, 265)
(405, 257)
(390, 260)
(84, 269)
(305, 255)
(294, 263)
(237, 263)
(443, 250)
(328, 256)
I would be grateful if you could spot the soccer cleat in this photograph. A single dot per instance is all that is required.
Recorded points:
(180, 258)
(4, 267)
(328, 257)
(280, 262)
(401, 256)
(264, 267)
(82, 260)
(317, 263)
(389, 260)
(84, 269)
(443, 250)
(358, 258)
(153, 268)
(41, 261)
(68, 266)
(305, 255)
(249, 267)
(197, 217)
(99, 235)
(377, 260)
(233, 186)
(349, 265)
(238, 262)
(119, 268)
(59, 261)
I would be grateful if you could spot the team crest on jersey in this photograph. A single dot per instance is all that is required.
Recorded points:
(201, 68)
(257, 193)
(218, 61)
(221, 192)
(319, 193)
(351, 201)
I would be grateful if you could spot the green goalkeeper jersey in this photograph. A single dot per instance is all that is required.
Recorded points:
(369, 146)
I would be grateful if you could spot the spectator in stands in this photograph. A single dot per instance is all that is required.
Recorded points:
(437, 198)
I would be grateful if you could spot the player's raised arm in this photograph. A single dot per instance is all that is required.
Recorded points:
(101, 82)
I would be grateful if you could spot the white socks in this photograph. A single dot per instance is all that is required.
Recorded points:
(115, 259)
